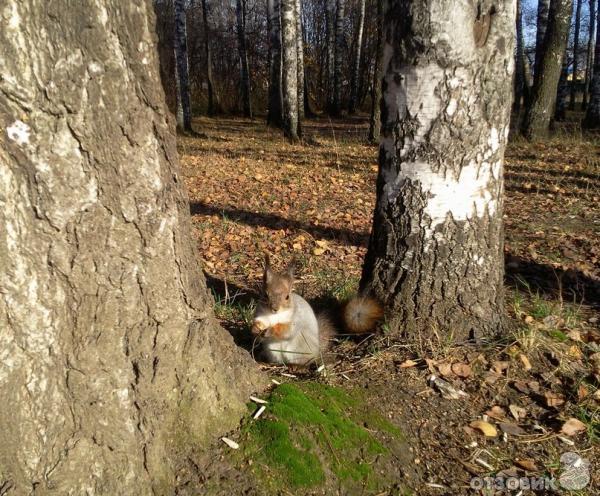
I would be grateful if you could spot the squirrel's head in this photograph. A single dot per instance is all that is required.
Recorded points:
(278, 286)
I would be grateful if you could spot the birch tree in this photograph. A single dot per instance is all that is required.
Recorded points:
(356, 71)
(573, 86)
(109, 349)
(275, 107)
(435, 256)
(240, 11)
(290, 69)
(331, 41)
(378, 72)
(300, 58)
(521, 87)
(213, 98)
(338, 60)
(181, 58)
(592, 115)
(541, 108)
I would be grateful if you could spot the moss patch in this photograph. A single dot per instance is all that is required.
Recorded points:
(312, 433)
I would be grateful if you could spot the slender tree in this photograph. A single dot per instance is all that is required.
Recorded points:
(521, 87)
(356, 72)
(109, 348)
(339, 60)
(181, 57)
(378, 72)
(562, 96)
(300, 55)
(290, 69)
(592, 115)
(275, 109)
(435, 256)
(541, 109)
(331, 40)
(213, 99)
(573, 86)
(244, 70)
(540, 35)
(590, 53)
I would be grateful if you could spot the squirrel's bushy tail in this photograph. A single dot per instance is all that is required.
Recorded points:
(361, 314)
(326, 330)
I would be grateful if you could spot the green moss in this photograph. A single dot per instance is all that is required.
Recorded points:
(313, 431)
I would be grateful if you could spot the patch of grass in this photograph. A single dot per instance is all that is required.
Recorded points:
(231, 310)
(313, 430)
(591, 418)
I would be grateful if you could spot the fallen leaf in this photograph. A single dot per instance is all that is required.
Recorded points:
(554, 399)
(500, 366)
(575, 335)
(572, 427)
(510, 428)
(484, 427)
(496, 412)
(527, 464)
(318, 251)
(517, 412)
(407, 364)
(582, 392)
(461, 369)
(445, 369)
(528, 319)
(525, 361)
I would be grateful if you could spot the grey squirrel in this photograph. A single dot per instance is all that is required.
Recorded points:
(289, 330)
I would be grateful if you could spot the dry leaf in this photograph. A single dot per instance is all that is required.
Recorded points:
(407, 364)
(528, 319)
(517, 412)
(461, 369)
(500, 366)
(445, 369)
(575, 335)
(318, 251)
(484, 427)
(582, 392)
(572, 427)
(512, 429)
(525, 361)
(527, 464)
(554, 399)
(496, 412)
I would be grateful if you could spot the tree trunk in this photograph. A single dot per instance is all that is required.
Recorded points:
(331, 39)
(356, 72)
(540, 35)
(181, 57)
(290, 69)
(592, 115)
(111, 361)
(300, 55)
(214, 106)
(435, 256)
(541, 109)
(339, 45)
(560, 112)
(244, 70)
(573, 85)
(308, 111)
(520, 83)
(590, 54)
(378, 73)
(275, 110)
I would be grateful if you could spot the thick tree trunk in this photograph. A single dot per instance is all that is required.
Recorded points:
(331, 26)
(435, 256)
(573, 86)
(540, 35)
(592, 115)
(214, 106)
(520, 83)
(300, 55)
(111, 360)
(540, 111)
(339, 53)
(379, 71)
(356, 72)
(562, 96)
(275, 110)
(290, 69)
(590, 54)
(181, 57)
(244, 70)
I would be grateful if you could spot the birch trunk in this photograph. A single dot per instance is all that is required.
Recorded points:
(110, 354)
(275, 110)
(339, 44)
(331, 39)
(435, 256)
(214, 106)
(540, 35)
(573, 85)
(300, 55)
(356, 72)
(290, 69)
(592, 115)
(590, 54)
(541, 109)
(244, 70)
(375, 121)
(181, 58)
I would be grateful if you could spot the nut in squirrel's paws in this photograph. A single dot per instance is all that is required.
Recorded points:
(259, 327)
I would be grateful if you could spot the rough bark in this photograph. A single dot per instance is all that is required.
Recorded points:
(589, 54)
(300, 56)
(181, 57)
(435, 256)
(331, 25)
(592, 115)
(562, 96)
(521, 86)
(540, 35)
(290, 69)
(214, 106)
(356, 72)
(378, 73)
(240, 11)
(541, 109)
(275, 110)
(111, 360)
(573, 85)
(336, 109)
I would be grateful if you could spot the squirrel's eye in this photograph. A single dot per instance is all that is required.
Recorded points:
(287, 297)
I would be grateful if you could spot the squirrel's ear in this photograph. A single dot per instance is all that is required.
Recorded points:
(268, 274)
(291, 269)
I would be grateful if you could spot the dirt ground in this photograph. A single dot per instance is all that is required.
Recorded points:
(533, 391)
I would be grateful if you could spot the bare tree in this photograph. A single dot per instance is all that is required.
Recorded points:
(540, 35)
(275, 110)
(240, 10)
(356, 72)
(181, 56)
(435, 255)
(541, 109)
(213, 98)
(589, 54)
(592, 115)
(109, 348)
(290, 69)
(574, 79)
(331, 41)
(300, 55)
(378, 73)
(521, 87)
(339, 43)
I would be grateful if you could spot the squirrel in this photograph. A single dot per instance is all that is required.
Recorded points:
(289, 330)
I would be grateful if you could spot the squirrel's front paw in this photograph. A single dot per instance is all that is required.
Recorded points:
(258, 327)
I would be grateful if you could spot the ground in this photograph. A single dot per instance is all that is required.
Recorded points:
(535, 389)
